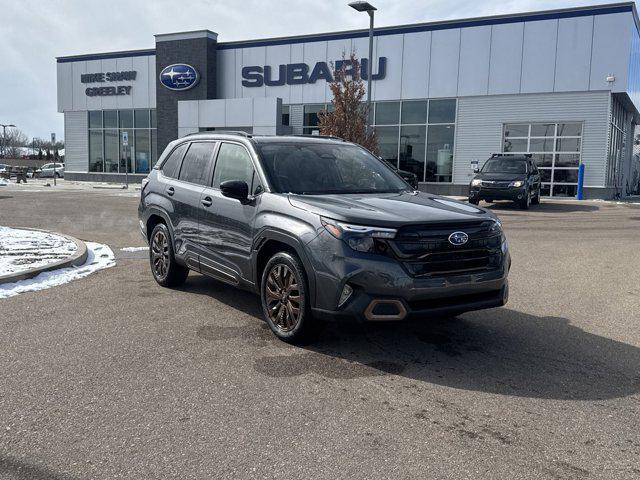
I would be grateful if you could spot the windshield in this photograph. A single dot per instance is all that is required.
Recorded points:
(504, 165)
(324, 168)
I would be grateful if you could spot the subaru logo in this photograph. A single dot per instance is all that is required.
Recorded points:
(458, 238)
(179, 76)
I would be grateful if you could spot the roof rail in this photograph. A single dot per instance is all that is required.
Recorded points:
(222, 132)
(325, 137)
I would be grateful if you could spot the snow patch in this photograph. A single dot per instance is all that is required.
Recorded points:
(22, 250)
(134, 249)
(99, 257)
(3, 182)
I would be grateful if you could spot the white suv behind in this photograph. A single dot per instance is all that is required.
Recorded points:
(47, 170)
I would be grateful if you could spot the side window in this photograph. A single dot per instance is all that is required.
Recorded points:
(171, 166)
(234, 163)
(195, 165)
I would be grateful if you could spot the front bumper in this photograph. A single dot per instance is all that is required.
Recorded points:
(483, 193)
(379, 279)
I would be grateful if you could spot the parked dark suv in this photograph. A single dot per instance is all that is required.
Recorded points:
(507, 177)
(320, 228)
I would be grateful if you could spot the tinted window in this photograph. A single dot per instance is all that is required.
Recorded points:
(325, 168)
(505, 165)
(171, 166)
(233, 163)
(196, 163)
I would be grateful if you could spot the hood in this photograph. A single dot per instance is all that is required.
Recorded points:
(389, 209)
(501, 177)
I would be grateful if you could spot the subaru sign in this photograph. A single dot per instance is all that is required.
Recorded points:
(301, 73)
(179, 76)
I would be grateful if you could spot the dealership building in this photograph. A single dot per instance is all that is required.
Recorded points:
(562, 85)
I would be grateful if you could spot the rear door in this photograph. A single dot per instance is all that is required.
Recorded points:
(183, 197)
(226, 224)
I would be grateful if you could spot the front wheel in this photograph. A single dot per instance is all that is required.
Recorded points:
(525, 203)
(474, 201)
(284, 298)
(536, 200)
(166, 271)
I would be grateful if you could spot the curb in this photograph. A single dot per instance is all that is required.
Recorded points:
(78, 258)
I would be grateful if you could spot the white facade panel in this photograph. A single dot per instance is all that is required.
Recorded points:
(123, 65)
(140, 96)
(573, 57)
(610, 54)
(79, 101)
(390, 88)
(188, 113)
(250, 57)
(108, 102)
(226, 74)
(313, 92)
(297, 56)
(415, 65)
(361, 47)
(443, 73)
(480, 121)
(97, 103)
(278, 55)
(505, 65)
(539, 56)
(151, 85)
(238, 112)
(76, 139)
(475, 52)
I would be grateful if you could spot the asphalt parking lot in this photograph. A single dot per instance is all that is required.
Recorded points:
(112, 376)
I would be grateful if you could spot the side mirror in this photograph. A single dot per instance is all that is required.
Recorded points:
(235, 189)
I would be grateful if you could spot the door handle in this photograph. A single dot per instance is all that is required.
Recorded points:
(206, 201)
(171, 191)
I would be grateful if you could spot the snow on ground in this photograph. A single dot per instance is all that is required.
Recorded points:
(3, 182)
(99, 257)
(22, 250)
(134, 249)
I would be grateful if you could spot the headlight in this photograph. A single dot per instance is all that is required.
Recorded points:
(476, 182)
(358, 237)
(516, 184)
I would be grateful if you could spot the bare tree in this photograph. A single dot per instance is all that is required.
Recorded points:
(12, 142)
(348, 120)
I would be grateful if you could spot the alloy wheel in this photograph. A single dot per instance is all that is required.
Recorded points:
(160, 254)
(283, 297)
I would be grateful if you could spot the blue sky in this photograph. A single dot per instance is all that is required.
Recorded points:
(34, 32)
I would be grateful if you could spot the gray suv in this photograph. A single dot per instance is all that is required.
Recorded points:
(320, 228)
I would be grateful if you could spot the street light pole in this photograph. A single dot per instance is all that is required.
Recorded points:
(4, 136)
(364, 6)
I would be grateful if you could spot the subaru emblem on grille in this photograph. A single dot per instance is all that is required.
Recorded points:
(458, 238)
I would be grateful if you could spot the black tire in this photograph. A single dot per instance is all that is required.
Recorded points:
(525, 203)
(57, 175)
(474, 201)
(536, 199)
(288, 316)
(164, 268)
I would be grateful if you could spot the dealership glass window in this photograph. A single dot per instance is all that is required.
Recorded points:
(105, 140)
(96, 158)
(143, 150)
(141, 118)
(439, 166)
(111, 151)
(442, 111)
(387, 113)
(126, 118)
(425, 137)
(285, 115)
(555, 147)
(110, 118)
(414, 112)
(388, 143)
(95, 119)
(412, 148)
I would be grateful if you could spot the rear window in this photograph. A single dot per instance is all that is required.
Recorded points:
(196, 163)
(171, 166)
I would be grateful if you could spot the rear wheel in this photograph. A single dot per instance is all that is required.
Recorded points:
(166, 271)
(474, 201)
(284, 297)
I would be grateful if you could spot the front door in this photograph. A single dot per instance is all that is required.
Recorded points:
(226, 224)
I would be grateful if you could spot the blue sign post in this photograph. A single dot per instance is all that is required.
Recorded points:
(579, 195)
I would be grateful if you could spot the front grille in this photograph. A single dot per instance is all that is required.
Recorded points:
(495, 184)
(425, 250)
